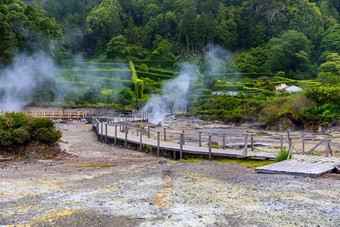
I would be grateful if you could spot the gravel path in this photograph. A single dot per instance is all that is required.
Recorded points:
(143, 190)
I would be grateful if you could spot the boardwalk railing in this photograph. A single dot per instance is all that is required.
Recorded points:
(247, 142)
(58, 114)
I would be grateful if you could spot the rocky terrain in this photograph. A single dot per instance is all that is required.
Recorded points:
(101, 185)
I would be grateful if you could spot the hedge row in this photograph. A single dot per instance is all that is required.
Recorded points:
(250, 75)
(153, 76)
(155, 63)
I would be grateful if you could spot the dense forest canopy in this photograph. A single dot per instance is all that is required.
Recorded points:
(289, 41)
(293, 36)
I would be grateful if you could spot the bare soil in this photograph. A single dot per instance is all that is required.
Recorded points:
(143, 190)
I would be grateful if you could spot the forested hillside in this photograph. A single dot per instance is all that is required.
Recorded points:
(269, 42)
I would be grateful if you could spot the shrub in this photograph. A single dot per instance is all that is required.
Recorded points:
(283, 155)
(144, 68)
(21, 135)
(47, 135)
(37, 123)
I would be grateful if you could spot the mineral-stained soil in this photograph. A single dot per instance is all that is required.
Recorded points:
(101, 185)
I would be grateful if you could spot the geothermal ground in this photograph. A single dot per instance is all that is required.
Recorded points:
(101, 185)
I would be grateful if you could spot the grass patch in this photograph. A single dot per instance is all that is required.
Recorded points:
(315, 154)
(193, 160)
(283, 155)
(94, 165)
(246, 163)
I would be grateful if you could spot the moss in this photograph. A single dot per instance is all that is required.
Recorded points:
(94, 165)
(193, 160)
(246, 163)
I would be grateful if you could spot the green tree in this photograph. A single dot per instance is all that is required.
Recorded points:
(104, 21)
(116, 48)
(227, 34)
(289, 52)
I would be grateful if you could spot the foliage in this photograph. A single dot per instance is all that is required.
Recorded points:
(282, 155)
(322, 113)
(322, 95)
(47, 135)
(19, 129)
(144, 68)
(116, 48)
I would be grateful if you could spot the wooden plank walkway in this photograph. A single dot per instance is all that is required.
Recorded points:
(187, 148)
(302, 165)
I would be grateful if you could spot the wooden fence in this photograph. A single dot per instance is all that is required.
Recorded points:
(76, 115)
(300, 143)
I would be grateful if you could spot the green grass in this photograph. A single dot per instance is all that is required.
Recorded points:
(246, 163)
(193, 160)
(283, 155)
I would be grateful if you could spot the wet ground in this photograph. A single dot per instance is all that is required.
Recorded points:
(109, 186)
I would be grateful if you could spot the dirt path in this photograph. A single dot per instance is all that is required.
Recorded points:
(142, 190)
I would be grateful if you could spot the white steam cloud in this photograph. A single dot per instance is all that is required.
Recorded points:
(176, 92)
(175, 95)
(18, 80)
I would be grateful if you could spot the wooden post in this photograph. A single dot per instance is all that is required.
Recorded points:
(101, 132)
(210, 156)
(148, 131)
(140, 140)
(252, 142)
(281, 142)
(327, 146)
(158, 142)
(290, 148)
(303, 143)
(106, 138)
(183, 137)
(223, 141)
(181, 146)
(245, 145)
(200, 139)
(164, 134)
(288, 134)
(126, 134)
(116, 126)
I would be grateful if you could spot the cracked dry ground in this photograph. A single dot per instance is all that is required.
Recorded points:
(142, 190)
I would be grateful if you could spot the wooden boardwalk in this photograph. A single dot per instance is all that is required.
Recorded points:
(176, 147)
(302, 165)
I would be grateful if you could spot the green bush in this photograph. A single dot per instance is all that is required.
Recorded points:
(19, 129)
(21, 135)
(37, 123)
(282, 155)
(47, 135)
(144, 68)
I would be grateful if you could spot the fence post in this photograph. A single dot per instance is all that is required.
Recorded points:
(164, 134)
(101, 132)
(303, 143)
(200, 139)
(210, 147)
(327, 146)
(181, 146)
(158, 142)
(140, 140)
(252, 142)
(126, 134)
(183, 137)
(290, 148)
(245, 145)
(148, 131)
(281, 143)
(116, 126)
(223, 141)
(106, 139)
